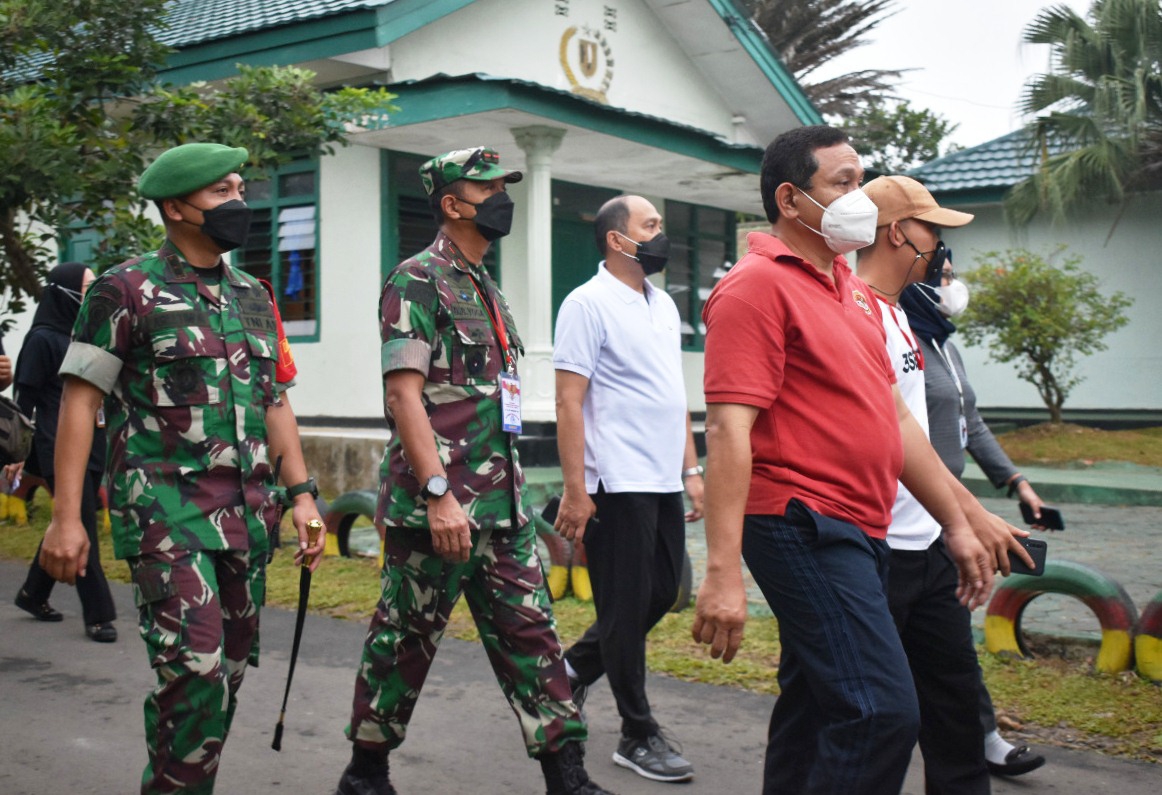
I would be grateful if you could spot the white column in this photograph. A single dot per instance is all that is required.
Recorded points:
(537, 391)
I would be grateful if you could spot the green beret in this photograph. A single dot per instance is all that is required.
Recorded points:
(184, 169)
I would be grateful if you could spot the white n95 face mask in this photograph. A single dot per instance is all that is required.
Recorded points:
(953, 297)
(849, 222)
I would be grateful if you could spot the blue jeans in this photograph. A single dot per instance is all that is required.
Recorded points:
(847, 718)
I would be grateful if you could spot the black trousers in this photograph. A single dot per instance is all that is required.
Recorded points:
(937, 636)
(635, 561)
(96, 601)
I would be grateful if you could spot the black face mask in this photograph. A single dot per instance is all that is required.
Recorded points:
(935, 270)
(227, 225)
(651, 254)
(493, 216)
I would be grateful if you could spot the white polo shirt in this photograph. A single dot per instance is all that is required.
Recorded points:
(912, 528)
(629, 346)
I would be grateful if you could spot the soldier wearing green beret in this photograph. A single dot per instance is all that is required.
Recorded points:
(451, 492)
(185, 348)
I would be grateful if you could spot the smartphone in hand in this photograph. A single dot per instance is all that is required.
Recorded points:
(1050, 517)
(1036, 549)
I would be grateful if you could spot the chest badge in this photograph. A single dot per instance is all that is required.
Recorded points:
(860, 301)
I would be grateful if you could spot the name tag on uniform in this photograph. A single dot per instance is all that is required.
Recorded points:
(963, 431)
(510, 402)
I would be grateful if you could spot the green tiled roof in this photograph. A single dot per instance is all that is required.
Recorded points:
(196, 21)
(996, 165)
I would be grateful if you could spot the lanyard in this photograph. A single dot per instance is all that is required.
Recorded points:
(493, 312)
(910, 340)
(951, 369)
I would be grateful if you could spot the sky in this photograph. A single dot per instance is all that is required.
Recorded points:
(971, 63)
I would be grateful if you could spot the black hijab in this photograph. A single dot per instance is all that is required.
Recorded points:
(60, 301)
(921, 303)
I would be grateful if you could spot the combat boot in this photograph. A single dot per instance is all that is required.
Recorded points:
(367, 774)
(565, 772)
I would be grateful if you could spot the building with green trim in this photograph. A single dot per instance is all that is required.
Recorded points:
(589, 98)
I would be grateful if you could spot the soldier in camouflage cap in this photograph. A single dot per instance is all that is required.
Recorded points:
(186, 348)
(451, 492)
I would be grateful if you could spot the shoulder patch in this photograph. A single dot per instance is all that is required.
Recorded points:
(420, 291)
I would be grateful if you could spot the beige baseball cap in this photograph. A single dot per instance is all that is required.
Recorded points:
(899, 198)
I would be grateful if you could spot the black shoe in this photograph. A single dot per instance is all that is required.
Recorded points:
(40, 611)
(367, 774)
(565, 773)
(1017, 762)
(104, 632)
(653, 757)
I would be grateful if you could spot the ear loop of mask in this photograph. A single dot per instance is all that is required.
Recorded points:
(73, 294)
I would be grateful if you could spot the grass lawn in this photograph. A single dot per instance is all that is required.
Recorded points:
(1055, 700)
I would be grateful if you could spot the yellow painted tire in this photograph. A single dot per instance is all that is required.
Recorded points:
(582, 587)
(1103, 595)
(1148, 642)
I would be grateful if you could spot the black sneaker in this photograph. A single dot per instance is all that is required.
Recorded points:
(653, 758)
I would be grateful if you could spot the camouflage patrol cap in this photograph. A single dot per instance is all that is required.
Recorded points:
(184, 169)
(479, 163)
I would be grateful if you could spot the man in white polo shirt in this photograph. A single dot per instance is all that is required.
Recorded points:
(627, 451)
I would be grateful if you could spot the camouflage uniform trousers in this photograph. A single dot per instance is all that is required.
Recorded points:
(504, 585)
(199, 620)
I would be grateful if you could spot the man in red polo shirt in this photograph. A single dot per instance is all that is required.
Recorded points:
(806, 436)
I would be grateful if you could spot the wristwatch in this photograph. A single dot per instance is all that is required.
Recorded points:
(306, 487)
(437, 486)
(692, 471)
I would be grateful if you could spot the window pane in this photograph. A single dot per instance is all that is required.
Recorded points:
(258, 191)
(302, 184)
(711, 222)
(255, 257)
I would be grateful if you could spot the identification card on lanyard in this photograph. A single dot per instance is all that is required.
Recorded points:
(510, 421)
(963, 432)
(510, 402)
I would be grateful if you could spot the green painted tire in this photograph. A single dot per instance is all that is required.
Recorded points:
(1148, 640)
(342, 512)
(1103, 595)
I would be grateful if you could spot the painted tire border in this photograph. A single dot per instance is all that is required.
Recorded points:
(1102, 594)
(1148, 641)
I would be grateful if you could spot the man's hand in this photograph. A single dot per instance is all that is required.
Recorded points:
(720, 614)
(12, 474)
(695, 486)
(64, 554)
(1026, 495)
(305, 509)
(5, 371)
(577, 508)
(998, 537)
(451, 537)
(974, 566)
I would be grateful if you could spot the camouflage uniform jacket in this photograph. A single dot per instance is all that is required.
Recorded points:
(432, 320)
(190, 377)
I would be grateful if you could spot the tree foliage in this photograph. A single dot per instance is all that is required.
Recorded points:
(1041, 317)
(1098, 132)
(808, 34)
(82, 111)
(894, 137)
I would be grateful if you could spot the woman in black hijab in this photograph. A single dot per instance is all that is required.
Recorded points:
(38, 393)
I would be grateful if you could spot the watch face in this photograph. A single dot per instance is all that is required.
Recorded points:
(437, 486)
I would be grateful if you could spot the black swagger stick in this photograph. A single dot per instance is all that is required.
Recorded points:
(314, 527)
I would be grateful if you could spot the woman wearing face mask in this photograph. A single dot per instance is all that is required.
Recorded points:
(38, 393)
(954, 426)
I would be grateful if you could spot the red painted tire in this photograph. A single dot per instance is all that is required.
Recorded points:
(1148, 641)
(1102, 594)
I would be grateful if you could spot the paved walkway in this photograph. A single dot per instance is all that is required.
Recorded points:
(70, 721)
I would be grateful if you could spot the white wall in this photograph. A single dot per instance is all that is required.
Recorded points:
(339, 375)
(651, 74)
(1127, 375)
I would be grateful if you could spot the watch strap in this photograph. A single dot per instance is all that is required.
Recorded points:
(306, 487)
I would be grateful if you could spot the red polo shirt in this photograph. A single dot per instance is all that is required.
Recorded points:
(810, 354)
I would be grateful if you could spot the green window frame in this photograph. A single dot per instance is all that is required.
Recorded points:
(703, 246)
(283, 245)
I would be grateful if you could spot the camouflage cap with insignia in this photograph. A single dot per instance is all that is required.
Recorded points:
(182, 170)
(479, 163)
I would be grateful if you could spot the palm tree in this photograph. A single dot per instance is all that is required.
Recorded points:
(1099, 129)
(809, 33)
